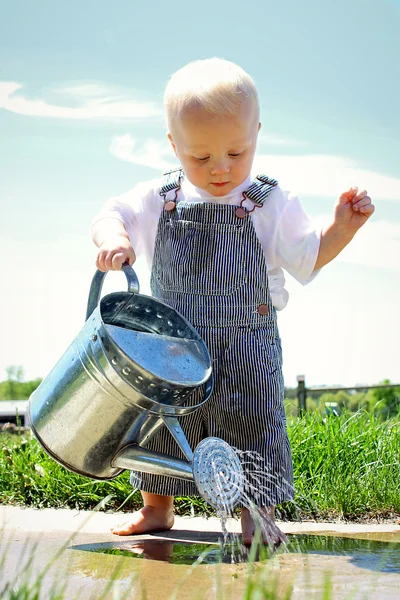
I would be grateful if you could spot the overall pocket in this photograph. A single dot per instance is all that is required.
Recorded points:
(268, 349)
(199, 258)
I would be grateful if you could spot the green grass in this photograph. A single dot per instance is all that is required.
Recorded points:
(345, 466)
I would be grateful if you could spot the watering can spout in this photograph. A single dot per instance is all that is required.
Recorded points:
(215, 469)
(135, 458)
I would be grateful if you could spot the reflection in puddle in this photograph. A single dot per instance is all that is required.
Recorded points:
(176, 553)
(369, 554)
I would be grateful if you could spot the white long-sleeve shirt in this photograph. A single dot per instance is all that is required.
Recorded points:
(287, 236)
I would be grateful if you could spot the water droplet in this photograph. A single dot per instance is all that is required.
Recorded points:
(159, 316)
(147, 309)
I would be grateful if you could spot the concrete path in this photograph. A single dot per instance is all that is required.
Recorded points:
(78, 549)
(51, 520)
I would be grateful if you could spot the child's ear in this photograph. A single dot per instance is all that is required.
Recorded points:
(169, 136)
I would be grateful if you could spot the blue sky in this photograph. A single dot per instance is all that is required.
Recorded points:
(81, 87)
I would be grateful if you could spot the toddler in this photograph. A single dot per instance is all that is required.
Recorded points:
(217, 240)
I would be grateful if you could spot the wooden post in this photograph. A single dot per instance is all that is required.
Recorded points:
(302, 394)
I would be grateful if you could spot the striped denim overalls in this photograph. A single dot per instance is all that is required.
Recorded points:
(209, 265)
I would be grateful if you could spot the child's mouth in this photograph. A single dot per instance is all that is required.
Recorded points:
(220, 184)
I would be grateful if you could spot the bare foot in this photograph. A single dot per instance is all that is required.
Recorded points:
(263, 518)
(146, 520)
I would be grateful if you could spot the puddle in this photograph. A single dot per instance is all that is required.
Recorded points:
(365, 553)
(154, 567)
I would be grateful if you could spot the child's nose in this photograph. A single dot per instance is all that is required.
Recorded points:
(220, 168)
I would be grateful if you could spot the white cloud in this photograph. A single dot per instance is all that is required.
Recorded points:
(275, 140)
(91, 101)
(377, 244)
(150, 154)
(310, 175)
(326, 175)
(88, 90)
(342, 328)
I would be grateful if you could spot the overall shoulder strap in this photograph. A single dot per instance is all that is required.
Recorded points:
(172, 181)
(260, 188)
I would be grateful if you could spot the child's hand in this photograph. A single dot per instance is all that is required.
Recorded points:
(353, 209)
(113, 253)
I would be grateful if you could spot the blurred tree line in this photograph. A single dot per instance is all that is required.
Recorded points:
(384, 402)
(14, 387)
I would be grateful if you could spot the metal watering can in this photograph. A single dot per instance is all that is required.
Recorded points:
(128, 373)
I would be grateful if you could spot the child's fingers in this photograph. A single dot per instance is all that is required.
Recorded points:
(133, 257)
(118, 260)
(360, 196)
(119, 257)
(100, 262)
(123, 256)
(367, 210)
(363, 204)
(105, 261)
(364, 201)
(99, 266)
(130, 256)
(349, 195)
(112, 260)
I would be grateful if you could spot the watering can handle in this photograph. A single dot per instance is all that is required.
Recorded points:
(97, 284)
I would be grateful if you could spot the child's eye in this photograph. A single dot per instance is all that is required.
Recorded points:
(202, 159)
(235, 154)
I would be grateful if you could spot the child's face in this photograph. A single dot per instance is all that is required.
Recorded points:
(216, 152)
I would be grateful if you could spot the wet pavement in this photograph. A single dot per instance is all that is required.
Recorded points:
(363, 560)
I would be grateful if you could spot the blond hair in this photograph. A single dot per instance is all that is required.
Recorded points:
(215, 85)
